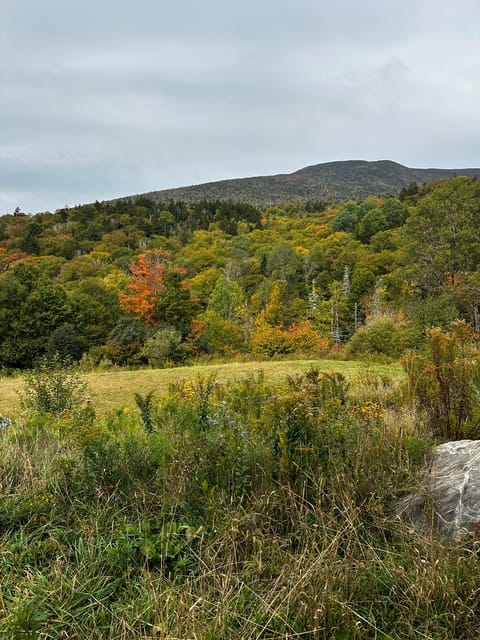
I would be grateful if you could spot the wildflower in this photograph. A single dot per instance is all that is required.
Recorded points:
(188, 391)
(368, 410)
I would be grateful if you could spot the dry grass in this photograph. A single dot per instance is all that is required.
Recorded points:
(113, 389)
(9, 388)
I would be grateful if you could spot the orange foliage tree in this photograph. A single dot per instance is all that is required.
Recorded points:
(158, 292)
(145, 285)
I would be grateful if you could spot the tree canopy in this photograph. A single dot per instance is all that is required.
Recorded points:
(117, 280)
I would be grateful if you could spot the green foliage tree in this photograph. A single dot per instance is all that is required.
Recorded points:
(125, 341)
(227, 300)
(225, 317)
(65, 342)
(30, 243)
(408, 192)
(373, 222)
(283, 263)
(96, 310)
(432, 311)
(163, 347)
(395, 212)
(176, 306)
(223, 336)
(31, 308)
(346, 218)
(441, 237)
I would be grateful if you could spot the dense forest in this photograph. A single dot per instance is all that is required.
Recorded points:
(133, 282)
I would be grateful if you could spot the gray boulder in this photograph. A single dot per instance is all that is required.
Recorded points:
(449, 497)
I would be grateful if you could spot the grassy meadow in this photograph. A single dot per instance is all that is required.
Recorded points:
(116, 388)
(243, 501)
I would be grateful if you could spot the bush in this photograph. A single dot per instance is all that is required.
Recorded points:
(381, 337)
(53, 387)
(162, 347)
(301, 338)
(145, 406)
(125, 341)
(308, 425)
(446, 382)
(224, 337)
(65, 343)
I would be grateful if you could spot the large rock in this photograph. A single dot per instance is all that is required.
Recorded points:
(449, 499)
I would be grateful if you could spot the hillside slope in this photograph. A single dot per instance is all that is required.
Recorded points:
(331, 182)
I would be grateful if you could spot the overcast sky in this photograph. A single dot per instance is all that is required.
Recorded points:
(104, 98)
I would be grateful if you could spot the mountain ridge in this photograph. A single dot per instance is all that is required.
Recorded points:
(329, 181)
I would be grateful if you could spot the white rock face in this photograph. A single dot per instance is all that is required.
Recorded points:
(450, 496)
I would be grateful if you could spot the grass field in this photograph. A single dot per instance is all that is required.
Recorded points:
(261, 509)
(113, 389)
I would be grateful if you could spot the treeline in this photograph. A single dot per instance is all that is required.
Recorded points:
(136, 281)
(74, 231)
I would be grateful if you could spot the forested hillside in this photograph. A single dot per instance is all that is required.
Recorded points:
(144, 282)
(330, 181)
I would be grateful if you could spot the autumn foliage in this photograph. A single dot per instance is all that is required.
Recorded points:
(147, 285)
(370, 276)
(301, 338)
(8, 260)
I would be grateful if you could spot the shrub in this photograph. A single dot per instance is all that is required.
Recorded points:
(125, 341)
(446, 382)
(145, 406)
(65, 343)
(303, 338)
(162, 347)
(381, 337)
(53, 387)
(270, 341)
(309, 427)
(223, 336)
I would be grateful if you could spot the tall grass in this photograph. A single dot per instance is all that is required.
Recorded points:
(238, 510)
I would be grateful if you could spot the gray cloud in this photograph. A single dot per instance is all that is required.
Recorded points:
(109, 98)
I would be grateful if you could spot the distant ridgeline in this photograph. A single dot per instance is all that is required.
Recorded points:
(327, 182)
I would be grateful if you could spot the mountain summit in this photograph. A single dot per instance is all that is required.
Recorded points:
(330, 181)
